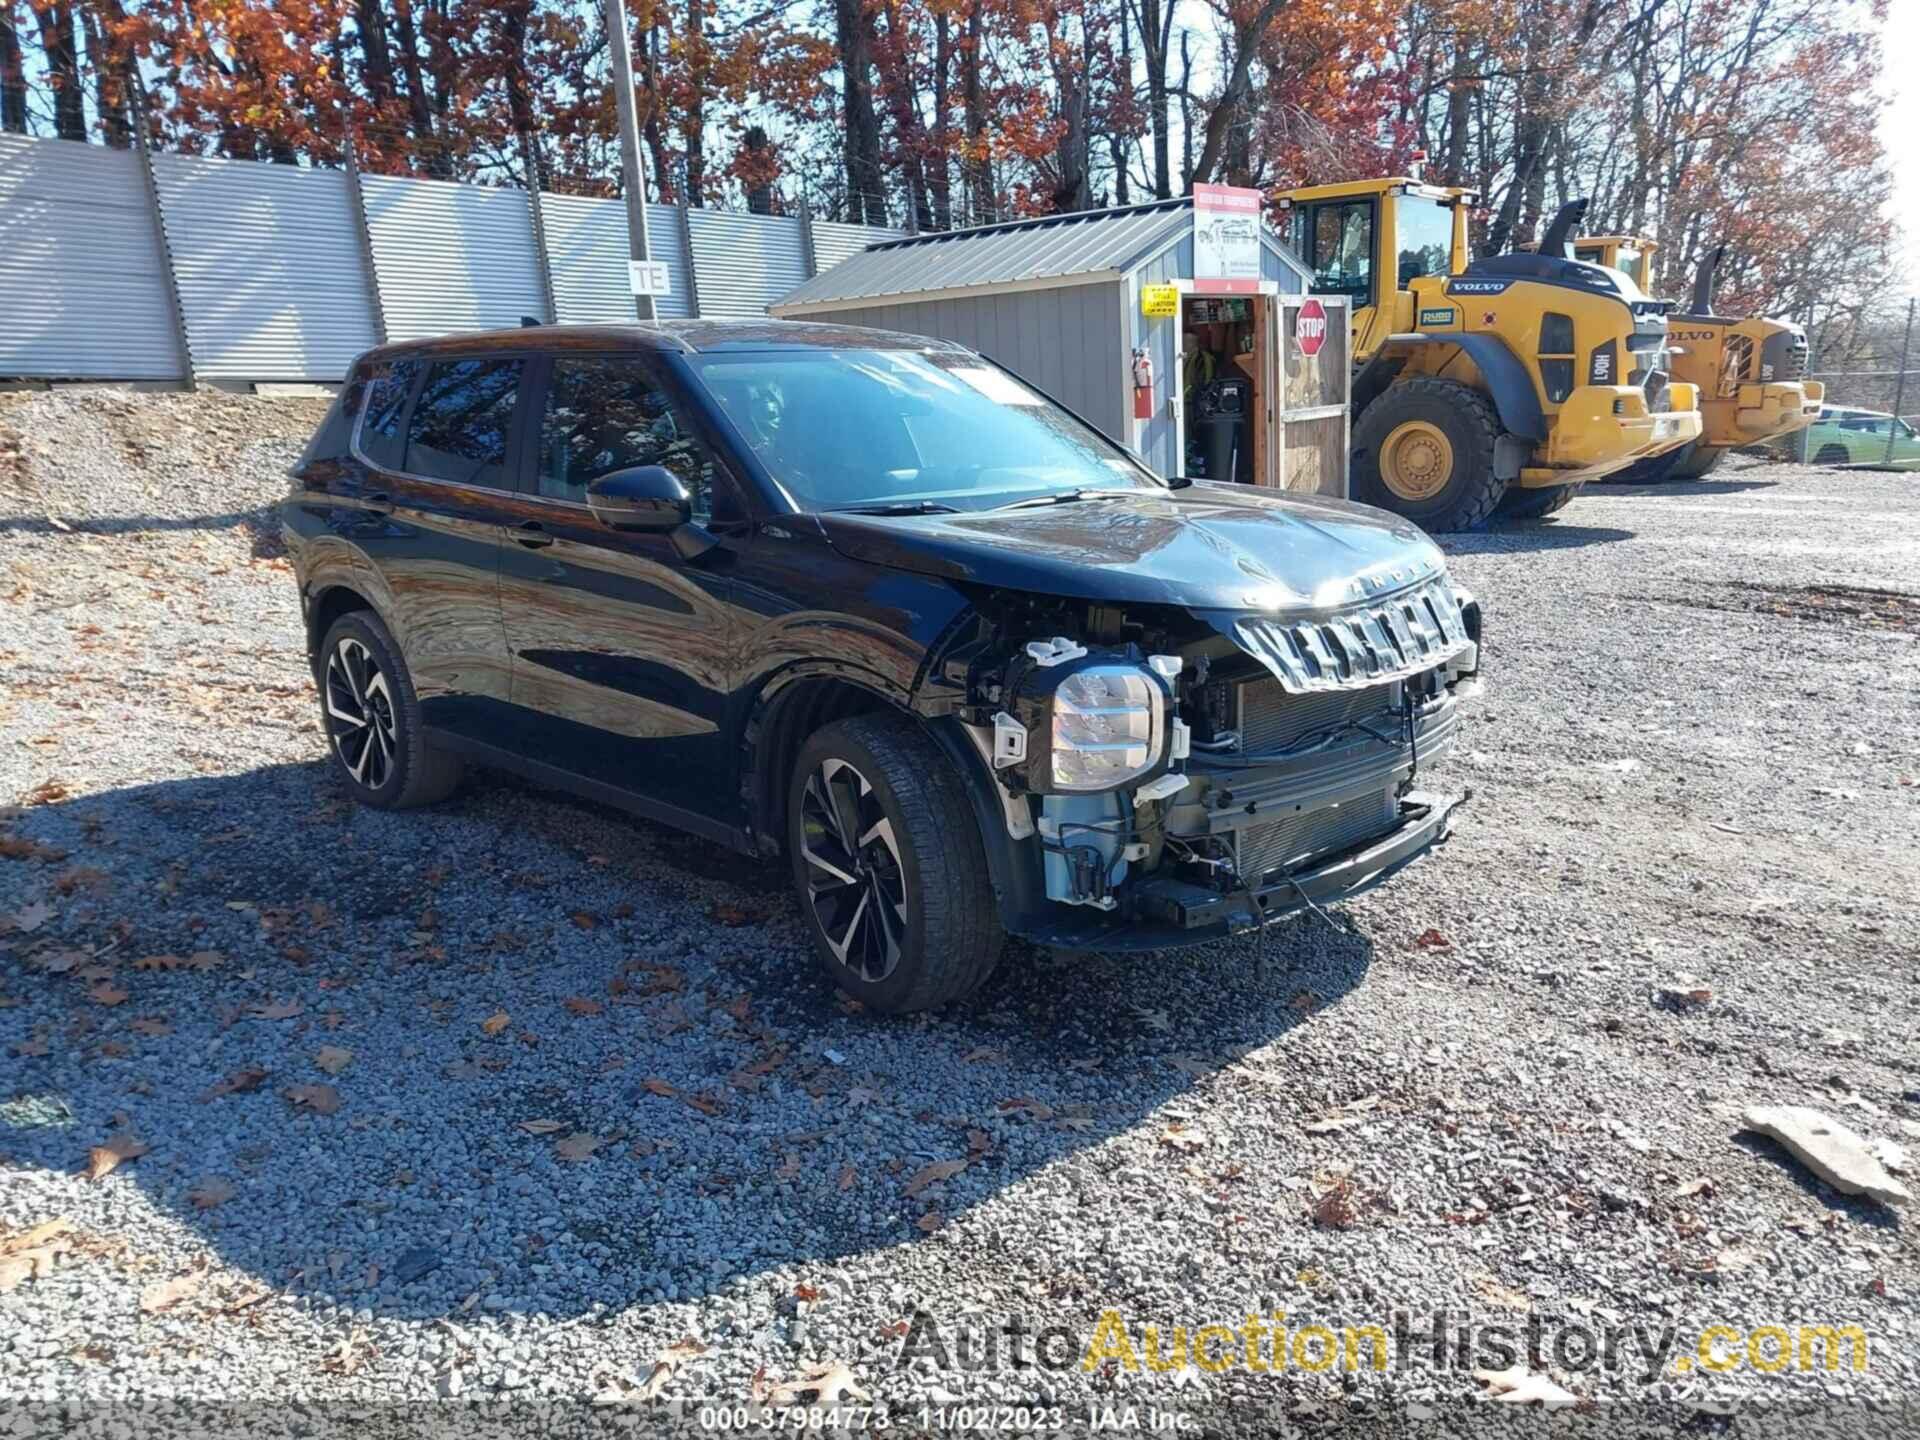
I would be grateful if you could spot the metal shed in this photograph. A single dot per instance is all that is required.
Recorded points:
(1071, 303)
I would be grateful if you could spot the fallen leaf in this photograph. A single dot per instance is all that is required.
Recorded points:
(103, 1160)
(206, 960)
(1495, 1293)
(542, 1127)
(1177, 1137)
(169, 1293)
(666, 1363)
(731, 915)
(932, 1175)
(1692, 1188)
(32, 917)
(160, 962)
(830, 1384)
(1432, 940)
(1336, 1208)
(496, 1022)
(849, 1177)
(321, 1099)
(1039, 1110)
(981, 1054)
(276, 1009)
(104, 994)
(154, 1027)
(236, 1082)
(578, 1146)
(212, 1191)
(33, 1252)
(654, 1085)
(580, 1005)
(930, 1222)
(332, 1059)
(34, 1238)
(1520, 1386)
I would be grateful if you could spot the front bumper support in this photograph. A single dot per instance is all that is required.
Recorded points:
(1175, 913)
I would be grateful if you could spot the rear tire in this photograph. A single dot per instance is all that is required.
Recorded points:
(1831, 455)
(371, 718)
(1536, 504)
(1703, 460)
(1424, 449)
(889, 866)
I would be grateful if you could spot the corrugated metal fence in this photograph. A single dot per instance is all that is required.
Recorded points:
(286, 274)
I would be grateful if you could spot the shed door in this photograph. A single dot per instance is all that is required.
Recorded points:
(1314, 392)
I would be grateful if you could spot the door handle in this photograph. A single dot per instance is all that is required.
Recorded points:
(532, 534)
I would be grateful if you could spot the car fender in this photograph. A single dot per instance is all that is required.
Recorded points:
(329, 563)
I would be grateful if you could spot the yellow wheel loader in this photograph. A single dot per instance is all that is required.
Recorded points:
(1496, 386)
(1749, 372)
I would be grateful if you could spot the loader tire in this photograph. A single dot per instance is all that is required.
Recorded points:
(1536, 504)
(1697, 461)
(1424, 449)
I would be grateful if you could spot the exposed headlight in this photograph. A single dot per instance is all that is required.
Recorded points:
(1108, 727)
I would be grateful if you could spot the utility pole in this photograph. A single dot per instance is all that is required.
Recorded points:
(1900, 386)
(635, 178)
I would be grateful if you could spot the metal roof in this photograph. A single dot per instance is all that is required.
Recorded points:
(1093, 244)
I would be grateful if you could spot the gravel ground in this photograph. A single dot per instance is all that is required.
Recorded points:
(515, 1095)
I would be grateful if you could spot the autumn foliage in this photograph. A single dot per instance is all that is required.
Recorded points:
(1748, 123)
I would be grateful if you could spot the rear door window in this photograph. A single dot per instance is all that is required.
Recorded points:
(382, 438)
(462, 421)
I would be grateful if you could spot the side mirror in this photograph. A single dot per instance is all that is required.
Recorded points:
(641, 497)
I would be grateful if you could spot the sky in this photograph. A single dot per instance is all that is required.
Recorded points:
(1899, 124)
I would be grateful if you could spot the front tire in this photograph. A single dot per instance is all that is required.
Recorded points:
(1701, 460)
(1424, 449)
(372, 719)
(889, 866)
(1538, 503)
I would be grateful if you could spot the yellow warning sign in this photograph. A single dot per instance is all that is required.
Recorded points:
(1159, 301)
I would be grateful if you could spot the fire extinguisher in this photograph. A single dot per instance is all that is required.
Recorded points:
(1142, 385)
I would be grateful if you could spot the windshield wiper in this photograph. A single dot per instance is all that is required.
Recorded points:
(896, 507)
(1067, 495)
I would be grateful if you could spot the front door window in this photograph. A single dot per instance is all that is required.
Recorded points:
(1338, 245)
(608, 413)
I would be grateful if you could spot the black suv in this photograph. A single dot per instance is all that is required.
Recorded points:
(872, 601)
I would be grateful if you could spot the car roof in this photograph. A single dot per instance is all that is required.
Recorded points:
(682, 336)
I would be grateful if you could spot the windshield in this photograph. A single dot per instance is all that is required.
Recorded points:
(847, 429)
(1425, 239)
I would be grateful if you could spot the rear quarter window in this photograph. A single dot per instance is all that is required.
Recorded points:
(382, 438)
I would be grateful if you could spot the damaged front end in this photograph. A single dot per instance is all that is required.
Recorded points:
(1167, 775)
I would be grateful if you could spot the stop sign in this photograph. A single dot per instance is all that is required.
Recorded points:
(1310, 330)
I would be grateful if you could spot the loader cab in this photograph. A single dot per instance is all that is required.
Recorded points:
(1369, 240)
(1632, 255)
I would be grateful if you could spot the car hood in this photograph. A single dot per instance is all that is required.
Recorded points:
(1207, 547)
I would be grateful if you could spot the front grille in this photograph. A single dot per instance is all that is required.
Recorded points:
(1301, 839)
(1356, 649)
(1270, 719)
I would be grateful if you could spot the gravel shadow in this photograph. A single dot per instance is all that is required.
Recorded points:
(380, 1034)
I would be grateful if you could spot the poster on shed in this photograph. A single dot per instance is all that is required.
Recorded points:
(1226, 233)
